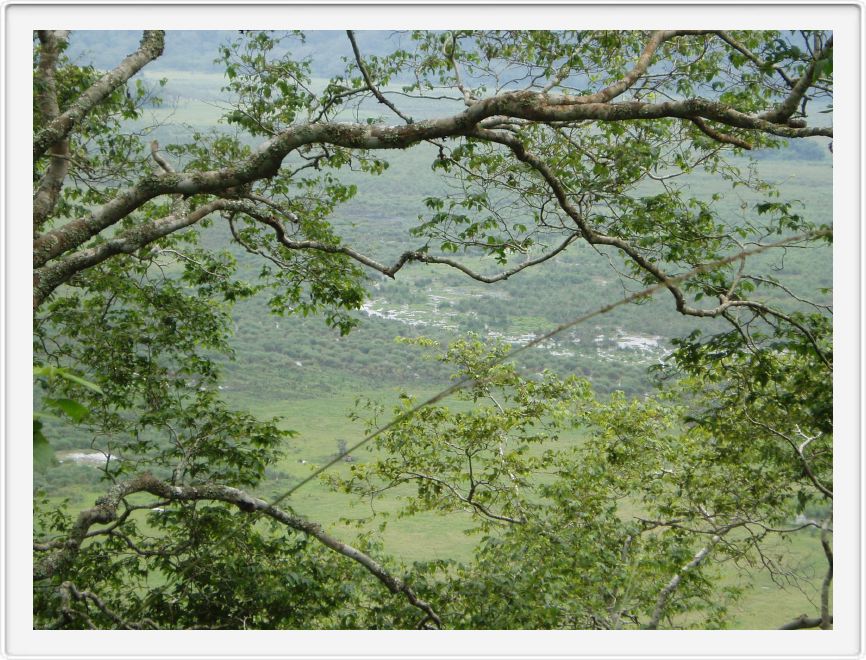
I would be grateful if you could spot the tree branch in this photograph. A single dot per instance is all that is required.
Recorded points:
(150, 47)
(267, 158)
(826, 618)
(369, 81)
(671, 586)
(48, 278)
(105, 511)
(627, 81)
(718, 136)
(782, 113)
(403, 259)
(45, 198)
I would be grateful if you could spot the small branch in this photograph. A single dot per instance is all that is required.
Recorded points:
(718, 136)
(468, 100)
(467, 499)
(665, 594)
(70, 593)
(773, 282)
(616, 89)
(369, 81)
(160, 160)
(403, 259)
(798, 449)
(736, 45)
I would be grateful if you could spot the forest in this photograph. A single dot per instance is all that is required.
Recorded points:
(480, 330)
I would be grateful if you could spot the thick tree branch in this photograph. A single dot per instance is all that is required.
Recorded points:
(150, 47)
(267, 158)
(826, 618)
(105, 511)
(46, 195)
(49, 277)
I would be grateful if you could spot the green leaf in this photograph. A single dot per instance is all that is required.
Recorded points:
(73, 409)
(43, 454)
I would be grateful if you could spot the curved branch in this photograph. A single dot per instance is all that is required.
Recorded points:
(105, 511)
(593, 237)
(718, 136)
(403, 259)
(150, 47)
(782, 113)
(628, 80)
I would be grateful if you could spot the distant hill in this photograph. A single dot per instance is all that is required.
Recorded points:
(197, 49)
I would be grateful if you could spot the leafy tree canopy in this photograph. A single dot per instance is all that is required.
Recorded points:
(543, 140)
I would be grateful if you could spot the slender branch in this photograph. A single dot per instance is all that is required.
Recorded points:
(628, 80)
(449, 50)
(718, 136)
(105, 511)
(467, 499)
(403, 259)
(369, 81)
(736, 45)
(150, 47)
(799, 450)
(69, 593)
(766, 280)
(671, 586)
